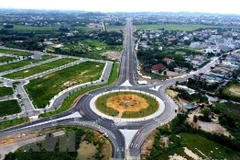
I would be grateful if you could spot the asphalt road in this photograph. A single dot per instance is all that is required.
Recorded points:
(108, 127)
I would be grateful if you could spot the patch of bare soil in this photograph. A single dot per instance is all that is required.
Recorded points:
(176, 157)
(147, 146)
(235, 91)
(107, 150)
(127, 103)
(172, 93)
(113, 55)
(213, 127)
(18, 137)
(86, 151)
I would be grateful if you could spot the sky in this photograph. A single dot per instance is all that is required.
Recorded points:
(206, 6)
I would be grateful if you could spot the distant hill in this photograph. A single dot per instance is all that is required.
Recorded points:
(94, 14)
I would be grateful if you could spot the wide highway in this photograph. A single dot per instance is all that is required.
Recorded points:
(127, 73)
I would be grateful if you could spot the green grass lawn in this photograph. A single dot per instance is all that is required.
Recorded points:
(209, 148)
(88, 48)
(115, 28)
(38, 69)
(67, 103)
(86, 29)
(18, 53)
(32, 28)
(180, 53)
(43, 89)
(94, 43)
(23, 63)
(9, 107)
(6, 59)
(200, 146)
(101, 105)
(14, 122)
(229, 117)
(6, 91)
(232, 90)
(186, 27)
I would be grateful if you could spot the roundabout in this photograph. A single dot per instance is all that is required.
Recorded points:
(125, 112)
(127, 105)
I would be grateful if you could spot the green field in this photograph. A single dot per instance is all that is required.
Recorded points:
(86, 29)
(89, 49)
(19, 64)
(6, 59)
(180, 53)
(87, 44)
(18, 53)
(6, 91)
(174, 27)
(43, 89)
(232, 90)
(22, 28)
(9, 107)
(32, 28)
(67, 103)
(229, 117)
(38, 69)
(101, 105)
(198, 145)
(115, 28)
(14, 122)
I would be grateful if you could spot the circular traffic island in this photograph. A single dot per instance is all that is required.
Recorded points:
(127, 104)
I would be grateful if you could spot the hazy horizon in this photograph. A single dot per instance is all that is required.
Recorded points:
(204, 6)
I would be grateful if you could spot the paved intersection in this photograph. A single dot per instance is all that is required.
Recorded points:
(123, 147)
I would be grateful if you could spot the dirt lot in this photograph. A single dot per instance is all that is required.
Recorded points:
(113, 55)
(172, 74)
(213, 127)
(127, 103)
(18, 137)
(86, 151)
(235, 91)
(107, 150)
(172, 93)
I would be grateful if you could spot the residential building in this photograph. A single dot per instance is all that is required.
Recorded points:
(158, 67)
(168, 60)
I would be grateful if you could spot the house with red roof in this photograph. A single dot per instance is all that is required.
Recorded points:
(186, 105)
(158, 67)
(168, 60)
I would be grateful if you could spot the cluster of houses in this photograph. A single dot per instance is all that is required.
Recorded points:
(197, 60)
(217, 43)
(185, 18)
(158, 68)
(223, 71)
(207, 40)
(187, 105)
(95, 25)
(220, 74)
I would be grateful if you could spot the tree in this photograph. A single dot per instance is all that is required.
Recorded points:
(206, 111)
(177, 83)
(195, 118)
(10, 156)
(165, 73)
